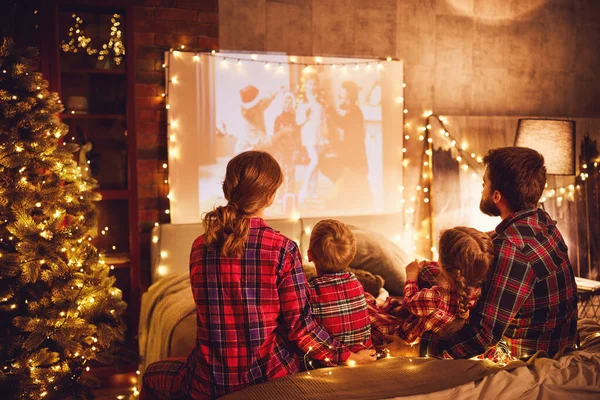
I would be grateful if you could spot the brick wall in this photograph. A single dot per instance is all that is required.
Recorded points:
(159, 26)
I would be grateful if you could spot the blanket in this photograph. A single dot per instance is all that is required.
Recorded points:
(573, 376)
(164, 305)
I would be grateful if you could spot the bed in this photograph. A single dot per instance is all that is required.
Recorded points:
(168, 327)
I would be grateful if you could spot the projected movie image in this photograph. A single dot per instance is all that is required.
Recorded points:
(324, 124)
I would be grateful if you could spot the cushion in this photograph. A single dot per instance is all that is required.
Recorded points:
(371, 283)
(380, 256)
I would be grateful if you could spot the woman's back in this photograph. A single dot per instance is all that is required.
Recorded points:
(238, 304)
(254, 320)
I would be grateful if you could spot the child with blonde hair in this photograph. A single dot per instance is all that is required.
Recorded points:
(438, 297)
(336, 296)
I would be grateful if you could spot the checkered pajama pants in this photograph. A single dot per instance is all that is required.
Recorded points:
(164, 380)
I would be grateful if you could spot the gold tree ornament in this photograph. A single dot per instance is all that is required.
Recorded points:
(78, 40)
(115, 42)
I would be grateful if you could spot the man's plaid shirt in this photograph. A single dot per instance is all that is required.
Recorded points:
(253, 315)
(529, 298)
(338, 304)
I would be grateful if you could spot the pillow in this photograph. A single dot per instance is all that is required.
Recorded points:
(309, 270)
(371, 283)
(380, 256)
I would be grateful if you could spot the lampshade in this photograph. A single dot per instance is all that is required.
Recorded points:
(554, 139)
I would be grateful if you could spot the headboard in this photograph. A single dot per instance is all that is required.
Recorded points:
(172, 244)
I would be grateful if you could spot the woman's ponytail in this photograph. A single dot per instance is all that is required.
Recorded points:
(251, 180)
(226, 227)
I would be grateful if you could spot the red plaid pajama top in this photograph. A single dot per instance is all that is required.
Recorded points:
(338, 304)
(426, 306)
(529, 298)
(254, 320)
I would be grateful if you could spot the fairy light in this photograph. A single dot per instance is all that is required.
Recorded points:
(115, 42)
(79, 41)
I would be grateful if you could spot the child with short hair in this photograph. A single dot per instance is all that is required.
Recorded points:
(336, 296)
(437, 296)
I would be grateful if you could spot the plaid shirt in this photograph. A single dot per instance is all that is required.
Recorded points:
(338, 304)
(529, 298)
(253, 316)
(426, 307)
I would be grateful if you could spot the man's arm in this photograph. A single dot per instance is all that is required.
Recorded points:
(510, 283)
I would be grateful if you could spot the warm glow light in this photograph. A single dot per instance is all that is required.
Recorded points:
(162, 270)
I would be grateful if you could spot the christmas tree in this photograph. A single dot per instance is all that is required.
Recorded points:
(59, 309)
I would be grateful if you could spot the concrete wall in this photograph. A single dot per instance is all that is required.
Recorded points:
(463, 57)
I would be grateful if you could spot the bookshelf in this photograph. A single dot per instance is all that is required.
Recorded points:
(98, 96)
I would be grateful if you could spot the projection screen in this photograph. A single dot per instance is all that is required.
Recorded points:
(333, 124)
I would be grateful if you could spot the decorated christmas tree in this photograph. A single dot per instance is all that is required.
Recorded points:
(59, 308)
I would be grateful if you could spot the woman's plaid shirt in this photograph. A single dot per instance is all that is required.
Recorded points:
(338, 304)
(529, 297)
(253, 315)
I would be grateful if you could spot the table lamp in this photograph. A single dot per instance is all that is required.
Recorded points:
(552, 138)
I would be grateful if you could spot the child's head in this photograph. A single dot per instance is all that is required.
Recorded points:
(251, 181)
(289, 102)
(332, 246)
(466, 255)
(468, 251)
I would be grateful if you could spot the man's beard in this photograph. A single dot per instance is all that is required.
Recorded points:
(488, 207)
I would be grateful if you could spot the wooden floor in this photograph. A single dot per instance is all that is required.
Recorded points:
(117, 386)
(114, 393)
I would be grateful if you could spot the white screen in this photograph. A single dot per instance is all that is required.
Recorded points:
(335, 131)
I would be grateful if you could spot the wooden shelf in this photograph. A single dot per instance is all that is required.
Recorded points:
(69, 76)
(116, 194)
(67, 116)
(117, 259)
(97, 71)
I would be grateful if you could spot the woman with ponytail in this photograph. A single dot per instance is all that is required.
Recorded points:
(438, 296)
(254, 319)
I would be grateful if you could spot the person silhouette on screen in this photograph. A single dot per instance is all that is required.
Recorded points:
(253, 108)
(286, 141)
(309, 116)
(350, 162)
